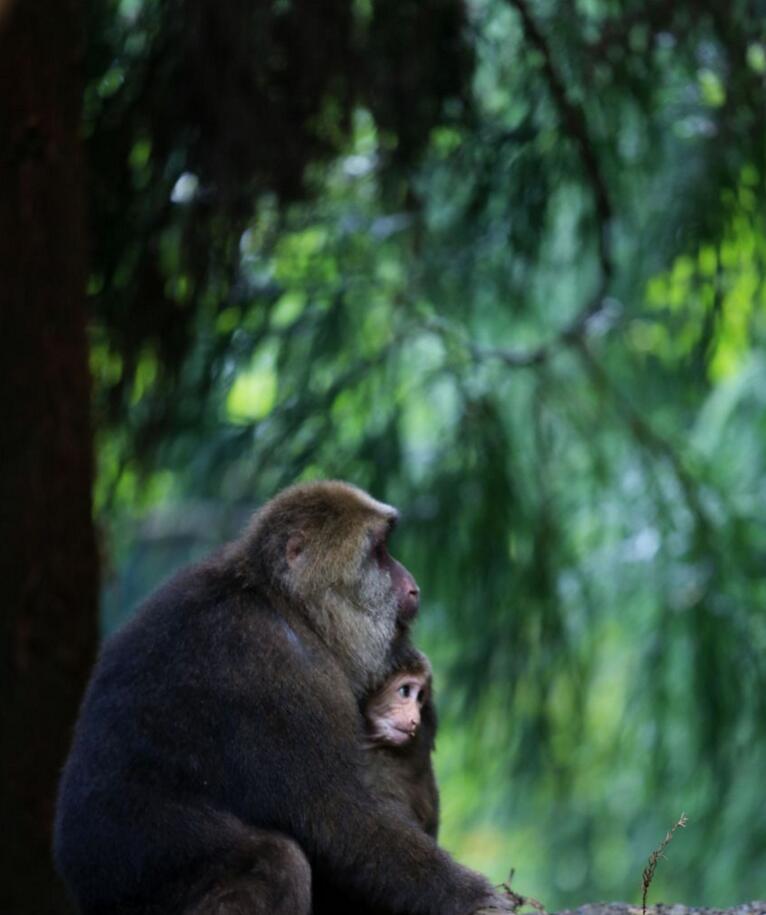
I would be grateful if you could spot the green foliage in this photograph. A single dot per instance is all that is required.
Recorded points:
(542, 336)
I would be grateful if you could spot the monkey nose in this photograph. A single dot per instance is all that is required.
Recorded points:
(408, 608)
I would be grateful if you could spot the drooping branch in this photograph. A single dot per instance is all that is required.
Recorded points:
(575, 125)
(598, 306)
(649, 438)
(600, 311)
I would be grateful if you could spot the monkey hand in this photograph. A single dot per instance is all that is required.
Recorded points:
(496, 903)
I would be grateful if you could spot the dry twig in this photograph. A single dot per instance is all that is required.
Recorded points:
(517, 900)
(651, 867)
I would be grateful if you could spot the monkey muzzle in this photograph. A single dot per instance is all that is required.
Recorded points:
(409, 606)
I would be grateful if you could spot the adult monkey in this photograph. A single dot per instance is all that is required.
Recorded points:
(220, 747)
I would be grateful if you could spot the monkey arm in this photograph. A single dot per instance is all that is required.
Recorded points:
(365, 842)
(387, 859)
(308, 763)
(398, 867)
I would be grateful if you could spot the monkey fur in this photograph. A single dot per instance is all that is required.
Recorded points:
(403, 771)
(402, 774)
(219, 763)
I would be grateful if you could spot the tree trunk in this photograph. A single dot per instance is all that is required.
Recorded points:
(49, 567)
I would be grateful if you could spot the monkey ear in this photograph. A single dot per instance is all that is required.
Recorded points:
(296, 544)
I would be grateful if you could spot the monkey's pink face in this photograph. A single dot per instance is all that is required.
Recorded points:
(394, 714)
(403, 585)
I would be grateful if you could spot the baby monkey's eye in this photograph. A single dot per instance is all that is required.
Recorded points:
(404, 691)
(421, 696)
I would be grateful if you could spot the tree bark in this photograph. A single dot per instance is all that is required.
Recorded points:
(49, 567)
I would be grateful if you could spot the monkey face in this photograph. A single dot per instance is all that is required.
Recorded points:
(393, 714)
(404, 588)
(325, 545)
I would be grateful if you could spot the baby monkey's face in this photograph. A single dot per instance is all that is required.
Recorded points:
(393, 713)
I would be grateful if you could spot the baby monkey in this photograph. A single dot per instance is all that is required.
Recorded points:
(401, 728)
(400, 724)
(394, 712)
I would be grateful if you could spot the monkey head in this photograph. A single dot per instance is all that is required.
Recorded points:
(393, 713)
(324, 547)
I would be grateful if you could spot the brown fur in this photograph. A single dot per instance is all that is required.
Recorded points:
(219, 762)
(404, 773)
(350, 609)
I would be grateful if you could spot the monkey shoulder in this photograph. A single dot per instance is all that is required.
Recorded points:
(223, 637)
(199, 654)
(200, 613)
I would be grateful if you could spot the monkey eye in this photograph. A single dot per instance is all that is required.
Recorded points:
(421, 696)
(379, 551)
(404, 691)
